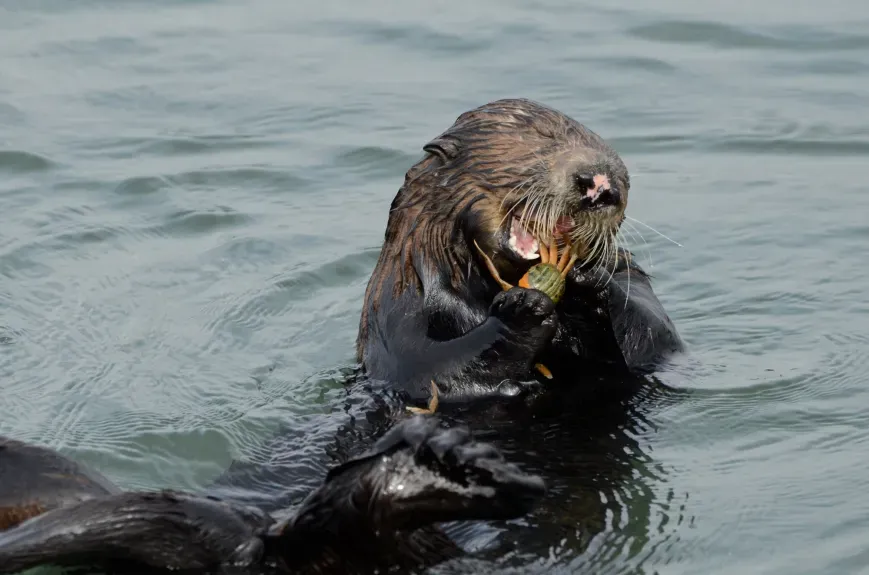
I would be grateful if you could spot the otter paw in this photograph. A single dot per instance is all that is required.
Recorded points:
(450, 476)
(522, 308)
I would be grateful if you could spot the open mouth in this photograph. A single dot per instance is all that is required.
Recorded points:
(523, 242)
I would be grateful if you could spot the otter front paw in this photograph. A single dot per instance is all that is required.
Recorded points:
(522, 309)
(530, 321)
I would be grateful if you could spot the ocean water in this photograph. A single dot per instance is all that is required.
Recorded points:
(193, 194)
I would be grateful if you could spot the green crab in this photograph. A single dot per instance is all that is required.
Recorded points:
(547, 276)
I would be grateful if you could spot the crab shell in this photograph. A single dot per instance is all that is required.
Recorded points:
(546, 278)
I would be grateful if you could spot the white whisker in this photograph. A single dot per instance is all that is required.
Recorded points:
(509, 212)
(530, 199)
(633, 230)
(628, 262)
(531, 212)
(602, 261)
(518, 187)
(613, 254)
(654, 230)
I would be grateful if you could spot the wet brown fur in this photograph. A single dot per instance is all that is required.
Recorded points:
(483, 164)
(12, 516)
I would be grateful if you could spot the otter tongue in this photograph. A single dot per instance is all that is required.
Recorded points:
(522, 242)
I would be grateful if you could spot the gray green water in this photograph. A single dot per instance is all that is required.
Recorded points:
(192, 195)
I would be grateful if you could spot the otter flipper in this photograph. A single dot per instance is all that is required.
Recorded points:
(447, 477)
(162, 530)
(379, 507)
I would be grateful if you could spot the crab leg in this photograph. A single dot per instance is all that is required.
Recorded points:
(544, 371)
(492, 269)
(432, 403)
(565, 254)
(568, 267)
(553, 251)
(565, 264)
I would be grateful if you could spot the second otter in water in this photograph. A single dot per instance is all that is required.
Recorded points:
(510, 176)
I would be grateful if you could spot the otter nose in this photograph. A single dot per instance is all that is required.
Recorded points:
(596, 190)
(603, 196)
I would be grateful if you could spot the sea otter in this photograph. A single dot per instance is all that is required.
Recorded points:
(505, 179)
(373, 512)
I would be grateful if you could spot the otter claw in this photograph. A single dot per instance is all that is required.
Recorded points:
(432, 403)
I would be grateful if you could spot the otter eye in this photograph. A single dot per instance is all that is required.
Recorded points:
(584, 181)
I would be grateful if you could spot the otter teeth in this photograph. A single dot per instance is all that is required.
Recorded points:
(522, 242)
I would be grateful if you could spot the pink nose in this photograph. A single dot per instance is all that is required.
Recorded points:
(601, 185)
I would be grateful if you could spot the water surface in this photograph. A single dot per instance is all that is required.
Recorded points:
(192, 196)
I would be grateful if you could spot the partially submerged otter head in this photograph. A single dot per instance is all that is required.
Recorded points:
(515, 174)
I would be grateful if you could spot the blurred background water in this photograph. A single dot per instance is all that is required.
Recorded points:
(193, 194)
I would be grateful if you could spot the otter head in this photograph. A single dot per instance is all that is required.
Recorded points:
(513, 174)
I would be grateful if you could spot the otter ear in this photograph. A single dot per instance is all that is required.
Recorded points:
(444, 147)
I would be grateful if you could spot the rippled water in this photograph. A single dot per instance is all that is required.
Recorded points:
(192, 196)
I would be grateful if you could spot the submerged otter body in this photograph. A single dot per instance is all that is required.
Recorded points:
(504, 180)
(374, 512)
